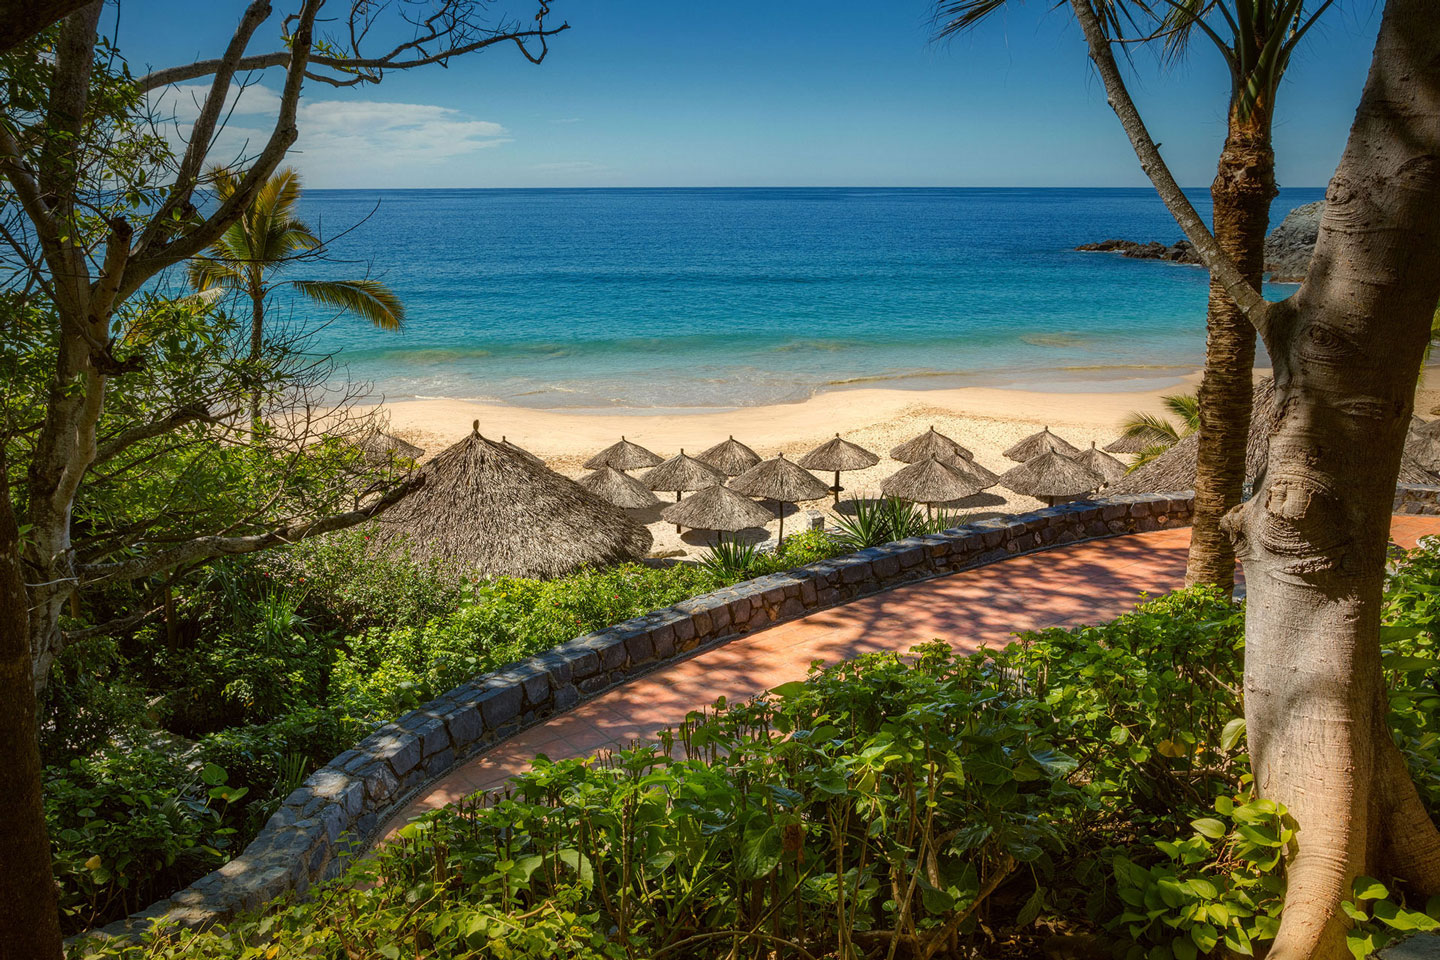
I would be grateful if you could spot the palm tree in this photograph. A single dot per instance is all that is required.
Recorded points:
(264, 241)
(1160, 433)
(1256, 39)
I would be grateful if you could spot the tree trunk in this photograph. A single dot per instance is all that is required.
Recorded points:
(1346, 350)
(1243, 188)
(31, 928)
(257, 348)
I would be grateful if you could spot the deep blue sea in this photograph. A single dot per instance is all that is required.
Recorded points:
(673, 298)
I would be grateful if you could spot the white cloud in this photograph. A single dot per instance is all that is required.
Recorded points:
(390, 134)
(340, 140)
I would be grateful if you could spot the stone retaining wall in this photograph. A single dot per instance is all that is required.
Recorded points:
(309, 839)
(1417, 498)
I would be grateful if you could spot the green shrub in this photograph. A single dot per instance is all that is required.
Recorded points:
(131, 825)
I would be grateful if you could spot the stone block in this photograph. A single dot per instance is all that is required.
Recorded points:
(565, 697)
(792, 608)
(466, 725)
(500, 703)
(662, 639)
(857, 572)
(395, 746)
(808, 593)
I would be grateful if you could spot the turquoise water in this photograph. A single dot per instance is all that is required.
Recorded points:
(723, 297)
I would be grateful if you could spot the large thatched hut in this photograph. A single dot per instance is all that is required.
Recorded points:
(932, 481)
(1175, 468)
(489, 510)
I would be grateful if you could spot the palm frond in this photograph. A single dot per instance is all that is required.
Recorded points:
(952, 17)
(1147, 455)
(370, 299)
(1150, 427)
(205, 273)
(1186, 406)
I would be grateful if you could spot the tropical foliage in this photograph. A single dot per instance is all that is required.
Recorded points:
(272, 665)
(870, 523)
(1089, 781)
(1159, 432)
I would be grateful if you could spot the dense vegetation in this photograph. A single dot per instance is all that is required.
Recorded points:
(1090, 781)
(168, 747)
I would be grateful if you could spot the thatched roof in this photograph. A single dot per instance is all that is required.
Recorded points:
(1102, 463)
(1424, 449)
(487, 508)
(1129, 443)
(505, 442)
(1426, 428)
(730, 457)
(983, 475)
(376, 444)
(838, 454)
(1037, 444)
(623, 456)
(621, 489)
(1051, 474)
(779, 479)
(717, 508)
(1175, 468)
(929, 444)
(682, 473)
(930, 481)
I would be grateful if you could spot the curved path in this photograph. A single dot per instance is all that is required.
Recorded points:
(1078, 583)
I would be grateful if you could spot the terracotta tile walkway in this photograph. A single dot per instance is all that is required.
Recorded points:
(1073, 584)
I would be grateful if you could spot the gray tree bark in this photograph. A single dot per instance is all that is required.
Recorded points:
(1346, 350)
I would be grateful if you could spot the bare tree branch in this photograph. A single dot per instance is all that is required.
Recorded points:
(359, 69)
(206, 548)
(192, 413)
(1255, 307)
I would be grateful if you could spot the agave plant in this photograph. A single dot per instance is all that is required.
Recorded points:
(729, 559)
(870, 523)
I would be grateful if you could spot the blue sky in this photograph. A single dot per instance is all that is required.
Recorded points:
(783, 93)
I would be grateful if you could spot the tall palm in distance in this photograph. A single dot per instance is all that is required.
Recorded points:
(1256, 39)
(266, 239)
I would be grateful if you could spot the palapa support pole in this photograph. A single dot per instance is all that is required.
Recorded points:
(837, 488)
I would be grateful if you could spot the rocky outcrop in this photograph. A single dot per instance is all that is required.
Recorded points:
(1289, 246)
(1179, 252)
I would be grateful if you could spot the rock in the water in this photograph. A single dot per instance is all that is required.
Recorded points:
(1289, 246)
(1179, 252)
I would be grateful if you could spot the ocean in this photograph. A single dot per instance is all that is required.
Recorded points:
(711, 298)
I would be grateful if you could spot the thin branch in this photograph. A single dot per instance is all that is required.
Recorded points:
(204, 68)
(192, 413)
(1255, 307)
(207, 548)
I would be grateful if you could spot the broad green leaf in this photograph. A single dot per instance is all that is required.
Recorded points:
(1232, 733)
(1368, 888)
(1209, 827)
(760, 849)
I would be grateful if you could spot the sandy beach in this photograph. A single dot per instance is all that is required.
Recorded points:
(986, 420)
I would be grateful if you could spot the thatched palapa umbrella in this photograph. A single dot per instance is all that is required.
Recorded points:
(730, 457)
(486, 507)
(376, 444)
(1037, 444)
(505, 442)
(1051, 476)
(929, 444)
(782, 481)
(1102, 463)
(1130, 443)
(623, 456)
(681, 473)
(932, 481)
(836, 455)
(717, 508)
(621, 489)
